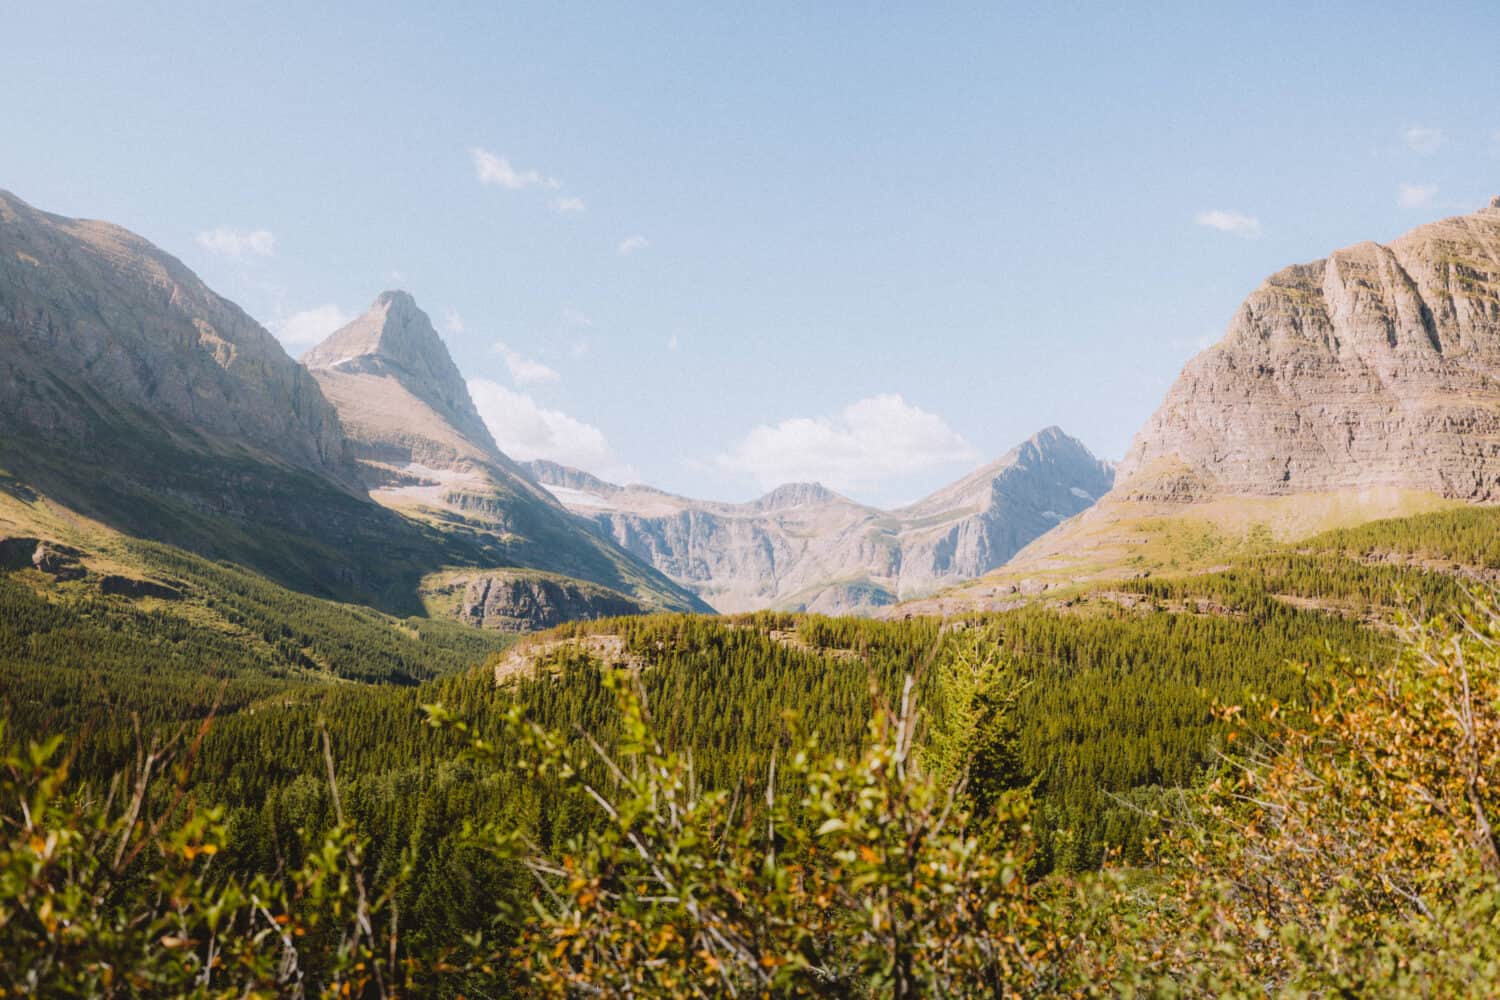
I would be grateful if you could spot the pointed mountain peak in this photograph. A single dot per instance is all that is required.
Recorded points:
(1049, 437)
(395, 339)
(393, 329)
(1054, 441)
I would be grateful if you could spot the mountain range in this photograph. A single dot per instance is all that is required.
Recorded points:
(136, 403)
(140, 404)
(805, 547)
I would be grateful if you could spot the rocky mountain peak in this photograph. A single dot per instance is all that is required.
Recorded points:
(797, 495)
(1055, 444)
(1495, 201)
(396, 339)
(1374, 367)
(393, 330)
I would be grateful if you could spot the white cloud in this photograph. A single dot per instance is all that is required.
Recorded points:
(672, 342)
(1225, 221)
(873, 441)
(1415, 195)
(525, 430)
(310, 326)
(1422, 140)
(567, 204)
(631, 244)
(524, 370)
(492, 169)
(238, 242)
(453, 322)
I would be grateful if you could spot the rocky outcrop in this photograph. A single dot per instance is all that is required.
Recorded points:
(1378, 366)
(803, 546)
(58, 561)
(517, 601)
(133, 395)
(16, 553)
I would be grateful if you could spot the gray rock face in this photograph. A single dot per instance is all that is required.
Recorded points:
(96, 323)
(804, 546)
(1378, 366)
(514, 602)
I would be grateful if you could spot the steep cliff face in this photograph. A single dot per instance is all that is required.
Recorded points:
(805, 546)
(523, 601)
(1376, 367)
(98, 326)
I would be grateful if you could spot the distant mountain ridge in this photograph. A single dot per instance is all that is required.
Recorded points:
(803, 546)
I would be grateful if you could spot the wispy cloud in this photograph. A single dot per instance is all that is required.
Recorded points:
(1226, 221)
(1415, 195)
(1422, 139)
(869, 442)
(673, 343)
(238, 242)
(576, 318)
(632, 244)
(453, 322)
(492, 169)
(524, 370)
(525, 430)
(568, 205)
(310, 326)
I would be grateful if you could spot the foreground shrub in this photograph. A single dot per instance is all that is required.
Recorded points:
(1353, 851)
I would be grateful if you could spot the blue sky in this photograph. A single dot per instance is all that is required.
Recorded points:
(712, 248)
